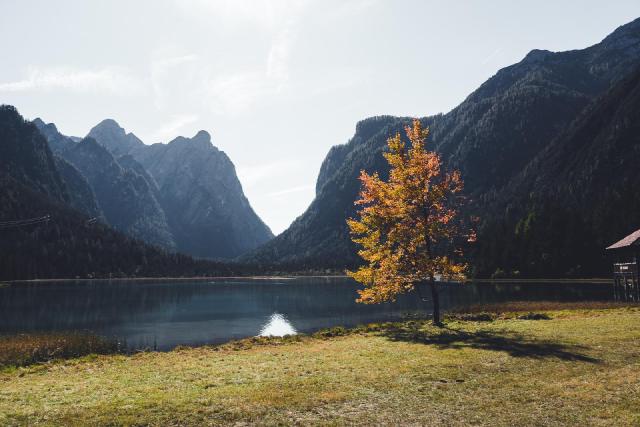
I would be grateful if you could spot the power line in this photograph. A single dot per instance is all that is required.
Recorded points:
(24, 222)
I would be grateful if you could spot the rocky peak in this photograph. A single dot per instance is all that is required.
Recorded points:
(45, 127)
(202, 135)
(39, 122)
(111, 125)
(112, 136)
(57, 141)
(201, 139)
(200, 143)
(537, 56)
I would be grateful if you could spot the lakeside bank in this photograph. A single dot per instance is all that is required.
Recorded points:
(580, 367)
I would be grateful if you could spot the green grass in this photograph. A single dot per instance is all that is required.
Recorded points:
(578, 367)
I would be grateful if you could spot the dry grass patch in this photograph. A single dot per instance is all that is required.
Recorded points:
(26, 349)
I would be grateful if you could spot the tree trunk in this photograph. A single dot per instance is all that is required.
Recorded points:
(436, 302)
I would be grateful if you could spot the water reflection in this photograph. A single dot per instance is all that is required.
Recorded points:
(277, 326)
(170, 313)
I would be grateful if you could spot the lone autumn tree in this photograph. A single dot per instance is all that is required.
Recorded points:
(408, 226)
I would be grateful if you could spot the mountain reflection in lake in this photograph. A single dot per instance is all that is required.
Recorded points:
(164, 314)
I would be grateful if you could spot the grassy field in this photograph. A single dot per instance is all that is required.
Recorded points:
(581, 366)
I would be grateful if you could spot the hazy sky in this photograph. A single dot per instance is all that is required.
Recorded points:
(276, 83)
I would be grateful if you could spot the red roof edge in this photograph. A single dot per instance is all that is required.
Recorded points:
(631, 239)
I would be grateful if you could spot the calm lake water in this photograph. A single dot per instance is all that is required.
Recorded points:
(164, 314)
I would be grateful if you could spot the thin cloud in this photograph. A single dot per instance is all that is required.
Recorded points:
(168, 80)
(111, 80)
(278, 58)
(234, 90)
(491, 56)
(170, 129)
(236, 93)
(291, 190)
(265, 14)
(252, 175)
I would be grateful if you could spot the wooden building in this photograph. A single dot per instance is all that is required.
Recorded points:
(626, 253)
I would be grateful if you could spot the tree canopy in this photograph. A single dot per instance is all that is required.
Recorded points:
(408, 226)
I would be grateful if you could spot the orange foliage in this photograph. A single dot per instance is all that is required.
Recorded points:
(406, 221)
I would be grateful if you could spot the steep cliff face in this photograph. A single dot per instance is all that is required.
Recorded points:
(490, 137)
(208, 214)
(57, 141)
(203, 198)
(123, 196)
(81, 196)
(126, 198)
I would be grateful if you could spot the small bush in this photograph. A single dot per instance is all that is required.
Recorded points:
(338, 331)
(534, 316)
(474, 317)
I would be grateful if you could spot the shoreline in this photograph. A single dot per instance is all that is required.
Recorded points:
(179, 279)
(592, 280)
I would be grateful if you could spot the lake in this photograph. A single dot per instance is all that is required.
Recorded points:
(163, 313)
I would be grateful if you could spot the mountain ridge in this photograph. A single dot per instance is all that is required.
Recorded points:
(208, 213)
(491, 136)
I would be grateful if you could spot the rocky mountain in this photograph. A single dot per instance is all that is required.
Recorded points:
(57, 141)
(491, 137)
(67, 245)
(126, 198)
(208, 214)
(81, 196)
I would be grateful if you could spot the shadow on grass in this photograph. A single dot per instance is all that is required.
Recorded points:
(514, 344)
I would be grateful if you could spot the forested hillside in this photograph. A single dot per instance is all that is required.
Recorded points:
(575, 198)
(69, 244)
(490, 137)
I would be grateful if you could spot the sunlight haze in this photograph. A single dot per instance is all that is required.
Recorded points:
(276, 83)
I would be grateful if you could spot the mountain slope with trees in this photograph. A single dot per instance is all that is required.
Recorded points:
(26, 157)
(575, 198)
(490, 137)
(68, 245)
